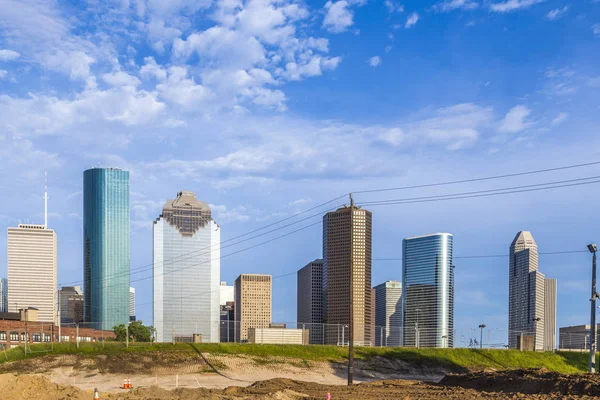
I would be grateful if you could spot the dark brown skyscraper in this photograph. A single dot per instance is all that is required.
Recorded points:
(337, 231)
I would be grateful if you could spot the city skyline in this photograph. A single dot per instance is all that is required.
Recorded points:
(295, 112)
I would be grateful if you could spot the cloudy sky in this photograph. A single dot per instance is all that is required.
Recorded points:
(266, 108)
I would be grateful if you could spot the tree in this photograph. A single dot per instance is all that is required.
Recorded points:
(138, 332)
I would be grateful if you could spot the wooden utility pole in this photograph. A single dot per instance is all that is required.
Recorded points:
(351, 297)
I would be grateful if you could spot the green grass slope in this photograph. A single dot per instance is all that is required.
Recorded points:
(459, 360)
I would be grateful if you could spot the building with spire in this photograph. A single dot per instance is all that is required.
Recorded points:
(106, 247)
(186, 273)
(531, 297)
(32, 263)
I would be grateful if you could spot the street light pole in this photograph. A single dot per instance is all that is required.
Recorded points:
(538, 319)
(481, 336)
(593, 248)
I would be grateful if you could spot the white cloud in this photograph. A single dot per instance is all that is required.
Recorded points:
(300, 202)
(411, 20)
(3, 73)
(339, 17)
(375, 61)
(314, 67)
(596, 29)
(221, 214)
(120, 78)
(451, 5)
(152, 69)
(8, 55)
(515, 120)
(181, 90)
(562, 116)
(513, 5)
(76, 63)
(393, 6)
(557, 13)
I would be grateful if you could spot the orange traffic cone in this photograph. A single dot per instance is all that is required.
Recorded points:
(96, 394)
(125, 383)
(129, 385)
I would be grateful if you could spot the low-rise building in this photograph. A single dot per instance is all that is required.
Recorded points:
(278, 336)
(575, 337)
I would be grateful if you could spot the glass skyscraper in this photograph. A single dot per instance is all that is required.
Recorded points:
(106, 247)
(187, 270)
(428, 285)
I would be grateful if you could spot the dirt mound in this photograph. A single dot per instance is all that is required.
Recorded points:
(526, 381)
(36, 387)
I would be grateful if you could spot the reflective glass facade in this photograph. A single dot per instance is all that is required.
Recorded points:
(428, 286)
(186, 273)
(106, 246)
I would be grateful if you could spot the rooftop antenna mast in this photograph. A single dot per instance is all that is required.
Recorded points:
(46, 199)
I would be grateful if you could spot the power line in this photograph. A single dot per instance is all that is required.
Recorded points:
(539, 171)
(481, 193)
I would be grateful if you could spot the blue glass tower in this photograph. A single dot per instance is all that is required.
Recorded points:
(106, 247)
(428, 285)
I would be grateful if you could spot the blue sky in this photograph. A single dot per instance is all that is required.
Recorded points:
(265, 108)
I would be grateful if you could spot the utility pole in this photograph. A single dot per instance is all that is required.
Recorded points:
(593, 248)
(351, 298)
(481, 327)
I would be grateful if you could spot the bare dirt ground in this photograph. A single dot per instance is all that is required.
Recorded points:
(512, 385)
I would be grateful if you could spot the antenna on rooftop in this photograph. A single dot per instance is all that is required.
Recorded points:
(46, 199)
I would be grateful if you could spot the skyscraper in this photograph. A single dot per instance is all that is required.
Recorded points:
(526, 287)
(388, 314)
(131, 304)
(70, 300)
(106, 247)
(310, 300)
(549, 314)
(32, 270)
(253, 304)
(338, 234)
(187, 250)
(3, 295)
(428, 291)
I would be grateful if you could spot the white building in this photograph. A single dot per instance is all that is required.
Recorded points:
(186, 271)
(388, 314)
(277, 336)
(226, 294)
(32, 270)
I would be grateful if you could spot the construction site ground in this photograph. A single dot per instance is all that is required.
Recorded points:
(227, 376)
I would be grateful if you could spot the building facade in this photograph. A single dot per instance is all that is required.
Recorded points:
(277, 336)
(186, 271)
(253, 304)
(347, 234)
(526, 295)
(388, 314)
(32, 270)
(227, 294)
(576, 337)
(227, 330)
(3, 295)
(106, 247)
(550, 301)
(428, 291)
(70, 299)
(310, 300)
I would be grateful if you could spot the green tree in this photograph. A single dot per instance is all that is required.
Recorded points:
(138, 332)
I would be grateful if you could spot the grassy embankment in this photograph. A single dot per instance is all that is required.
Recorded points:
(451, 359)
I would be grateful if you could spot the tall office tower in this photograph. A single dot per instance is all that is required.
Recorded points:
(187, 251)
(310, 300)
(131, 304)
(253, 303)
(388, 314)
(526, 287)
(70, 302)
(338, 234)
(3, 295)
(32, 270)
(106, 247)
(428, 291)
(226, 294)
(372, 322)
(549, 314)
